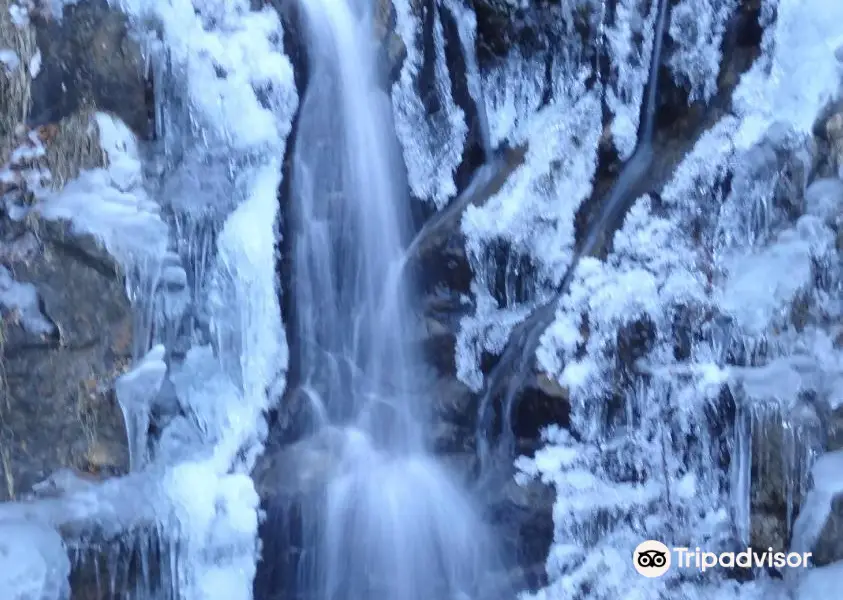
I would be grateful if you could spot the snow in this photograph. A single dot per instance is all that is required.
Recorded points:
(697, 28)
(721, 250)
(111, 203)
(10, 59)
(630, 66)
(760, 285)
(222, 387)
(33, 562)
(20, 16)
(533, 213)
(35, 64)
(513, 92)
(22, 300)
(227, 65)
(805, 33)
(228, 110)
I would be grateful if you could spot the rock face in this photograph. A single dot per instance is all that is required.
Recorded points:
(66, 328)
(62, 351)
(829, 546)
(89, 60)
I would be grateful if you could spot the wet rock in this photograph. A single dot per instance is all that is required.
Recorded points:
(443, 310)
(61, 355)
(296, 470)
(834, 131)
(829, 547)
(542, 402)
(90, 60)
(454, 400)
(781, 446)
(290, 480)
(828, 132)
(392, 46)
(523, 514)
(835, 429)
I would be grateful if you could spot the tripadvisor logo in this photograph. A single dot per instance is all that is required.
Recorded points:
(651, 558)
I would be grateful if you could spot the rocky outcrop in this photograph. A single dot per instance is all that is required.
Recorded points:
(828, 548)
(66, 319)
(63, 349)
(90, 61)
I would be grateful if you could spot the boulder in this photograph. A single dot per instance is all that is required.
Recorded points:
(829, 546)
(67, 329)
(828, 133)
(90, 60)
(291, 480)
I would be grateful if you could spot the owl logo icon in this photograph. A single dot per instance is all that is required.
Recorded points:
(651, 558)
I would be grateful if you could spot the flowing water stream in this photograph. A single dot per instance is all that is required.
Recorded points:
(394, 524)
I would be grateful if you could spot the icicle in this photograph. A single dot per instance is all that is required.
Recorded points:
(136, 393)
(741, 473)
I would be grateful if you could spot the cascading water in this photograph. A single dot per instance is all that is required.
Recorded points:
(394, 525)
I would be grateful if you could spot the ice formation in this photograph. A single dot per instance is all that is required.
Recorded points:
(429, 124)
(747, 263)
(226, 64)
(33, 563)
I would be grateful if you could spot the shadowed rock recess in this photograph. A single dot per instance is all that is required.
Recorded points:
(419, 299)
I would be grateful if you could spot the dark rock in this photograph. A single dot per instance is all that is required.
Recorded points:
(449, 437)
(502, 26)
(89, 59)
(835, 429)
(829, 547)
(59, 409)
(523, 514)
(290, 481)
(543, 402)
(780, 441)
(140, 561)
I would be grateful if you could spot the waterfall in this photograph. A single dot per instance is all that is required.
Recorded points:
(392, 523)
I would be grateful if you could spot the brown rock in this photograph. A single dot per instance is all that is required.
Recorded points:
(834, 132)
(829, 547)
(90, 60)
(59, 410)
